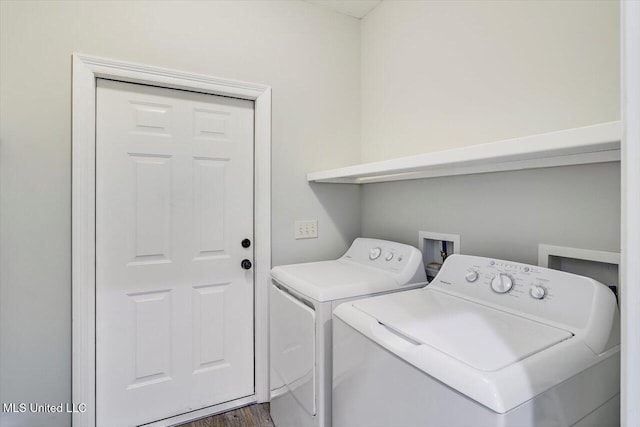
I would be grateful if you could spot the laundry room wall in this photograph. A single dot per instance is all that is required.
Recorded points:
(439, 75)
(442, 74)
(308, 54)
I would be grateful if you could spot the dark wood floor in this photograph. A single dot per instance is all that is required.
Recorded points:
(250, 416)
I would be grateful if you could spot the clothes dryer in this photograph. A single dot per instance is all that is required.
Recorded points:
(302, 299)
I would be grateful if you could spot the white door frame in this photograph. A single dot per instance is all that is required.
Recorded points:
(86, 69)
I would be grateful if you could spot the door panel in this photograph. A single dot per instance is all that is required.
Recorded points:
(152, 228)
(208, 321)
(209, 205)
(151, 314)
(174, 199)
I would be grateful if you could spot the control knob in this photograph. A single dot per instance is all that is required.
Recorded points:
(538, 292)
(471, 276)
(501, 283)
(374, 253)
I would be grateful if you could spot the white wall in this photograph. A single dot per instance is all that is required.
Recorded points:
(443, 74)
(308, 54)
(438, 75)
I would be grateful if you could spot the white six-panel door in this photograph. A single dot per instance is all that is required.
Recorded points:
(174, 200)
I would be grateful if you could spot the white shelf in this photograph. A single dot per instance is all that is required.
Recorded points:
(589, 144)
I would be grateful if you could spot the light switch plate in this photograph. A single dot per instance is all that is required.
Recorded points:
(306, 229)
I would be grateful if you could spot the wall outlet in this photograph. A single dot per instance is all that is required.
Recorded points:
(306, 229)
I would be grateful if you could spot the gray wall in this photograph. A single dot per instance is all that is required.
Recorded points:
(308, 54)
(503, 214)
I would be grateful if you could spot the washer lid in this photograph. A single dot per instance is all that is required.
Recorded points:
(481, 337)
(332, 280)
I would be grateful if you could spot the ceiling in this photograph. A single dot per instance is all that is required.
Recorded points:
(356, 8)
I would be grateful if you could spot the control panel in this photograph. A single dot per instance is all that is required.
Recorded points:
(389, 256)
(530, 290)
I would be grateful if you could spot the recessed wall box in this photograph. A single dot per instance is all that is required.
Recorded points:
(599, 265)
(435, 248)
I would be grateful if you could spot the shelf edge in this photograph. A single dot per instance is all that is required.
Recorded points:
(589, 144)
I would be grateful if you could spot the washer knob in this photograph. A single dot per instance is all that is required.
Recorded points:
(501, 283)
(389, 256)
(538, 292)
(471, 276)
(374, 253)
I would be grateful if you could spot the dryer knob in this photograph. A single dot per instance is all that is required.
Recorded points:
(471, 276)
(374, 253)
(501, 283)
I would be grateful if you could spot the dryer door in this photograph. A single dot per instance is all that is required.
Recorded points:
(293, 337)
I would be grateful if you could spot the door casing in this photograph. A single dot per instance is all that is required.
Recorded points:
(86, 69)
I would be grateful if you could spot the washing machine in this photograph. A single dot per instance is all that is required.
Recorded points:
(302, 299)
(487, 343)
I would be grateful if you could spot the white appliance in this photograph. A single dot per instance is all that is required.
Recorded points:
(302, 299)
(487, 343)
